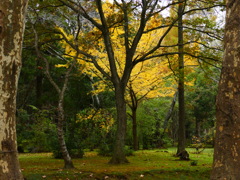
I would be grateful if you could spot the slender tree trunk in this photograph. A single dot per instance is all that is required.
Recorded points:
(227, 141)
(119, 154)
(39, 84)
(134, 129)
(133, 104)
(66, 157)
(169, 114)
(181, 129)
(197, 127)
(11, 37)
(181, 152)
(61, 92)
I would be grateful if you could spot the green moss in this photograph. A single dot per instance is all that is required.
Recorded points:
(150, 164)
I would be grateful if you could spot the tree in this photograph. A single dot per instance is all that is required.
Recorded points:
(181, 122)
(192, 31)
(226, 151)
(60, 107)
(148, 80)
(12, 14)
(105, 24)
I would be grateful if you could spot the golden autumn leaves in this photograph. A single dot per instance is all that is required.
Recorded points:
(152, 78)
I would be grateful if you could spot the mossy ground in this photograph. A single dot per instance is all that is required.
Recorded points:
(145, 164)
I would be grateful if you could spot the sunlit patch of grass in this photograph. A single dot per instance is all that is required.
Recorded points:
(145, 164)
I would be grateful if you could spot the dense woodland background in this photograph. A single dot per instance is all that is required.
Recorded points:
(119, 76)
(89, 105)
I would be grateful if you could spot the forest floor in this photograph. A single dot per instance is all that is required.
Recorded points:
(158, 164)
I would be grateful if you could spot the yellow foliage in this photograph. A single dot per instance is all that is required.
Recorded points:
(62, 65)
(102, 118)
(151, 78)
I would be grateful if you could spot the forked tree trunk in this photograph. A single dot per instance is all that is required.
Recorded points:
(227, 142)
(119, 154)
(11, 37)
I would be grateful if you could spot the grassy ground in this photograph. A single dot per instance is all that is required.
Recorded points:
(147, 164)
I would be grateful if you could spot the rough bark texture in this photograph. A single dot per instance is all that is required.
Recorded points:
(227, 142)
(11, 37)
(119, 154)
(181, 121)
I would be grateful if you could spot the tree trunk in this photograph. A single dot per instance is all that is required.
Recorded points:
(197, 127)
(119, 154)
(134, 129)
(66, 157)
(39, 84)
(11, 37)
(227, 141)
(181, 129)
(169, 114)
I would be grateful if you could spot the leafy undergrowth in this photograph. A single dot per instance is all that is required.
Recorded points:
(146, 164)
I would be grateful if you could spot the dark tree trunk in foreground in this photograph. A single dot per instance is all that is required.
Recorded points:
(181, 152)
(11, 37)
(227, 142)
(119, 154)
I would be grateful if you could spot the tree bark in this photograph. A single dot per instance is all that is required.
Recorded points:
(181, 120)
(227, 141)
(119, 154)
(66, 157)
(11, 37)
(197, 127)
(134, 129)
(133, 104)
(60, 110)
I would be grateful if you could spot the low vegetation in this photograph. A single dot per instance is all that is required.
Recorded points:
(144, 164)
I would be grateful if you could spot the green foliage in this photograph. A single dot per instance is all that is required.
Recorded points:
(151, 115)
(36, 131)
(194, 163)
(107, 150)
(200, 103)
(74, 153)
(95, 126)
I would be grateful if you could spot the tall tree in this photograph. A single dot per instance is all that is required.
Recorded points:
(105, 25)
(12, 15)
(68, 164)
(181, 119)
(226, 152)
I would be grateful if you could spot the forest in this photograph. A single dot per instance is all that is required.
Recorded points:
(119, 89)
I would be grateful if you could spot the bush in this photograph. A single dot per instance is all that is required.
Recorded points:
(74, 153)
(106, 150)
(36, 130)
